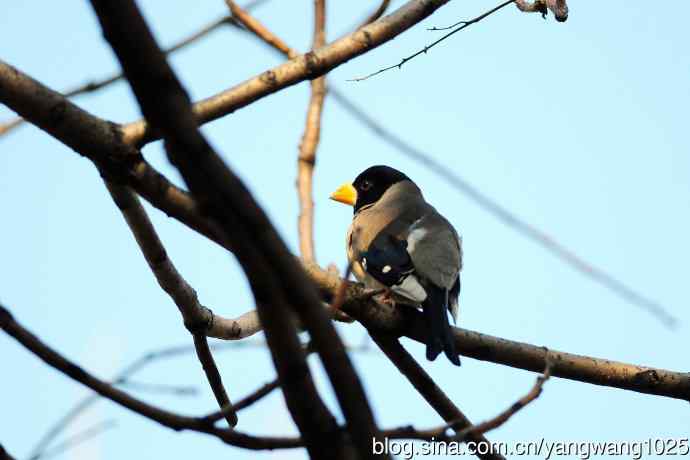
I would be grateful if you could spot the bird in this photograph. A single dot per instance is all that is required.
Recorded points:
(399, 242)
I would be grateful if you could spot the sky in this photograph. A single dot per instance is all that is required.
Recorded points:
(578, 128)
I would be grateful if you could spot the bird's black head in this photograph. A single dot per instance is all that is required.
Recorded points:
(373, 182)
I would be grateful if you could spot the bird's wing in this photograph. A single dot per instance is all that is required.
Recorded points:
(388, 262)
(435, 249)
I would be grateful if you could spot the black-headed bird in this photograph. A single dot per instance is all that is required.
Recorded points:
(398, 241)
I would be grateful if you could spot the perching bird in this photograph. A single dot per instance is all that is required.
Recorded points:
(400, 242)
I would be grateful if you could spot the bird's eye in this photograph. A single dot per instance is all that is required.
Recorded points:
(366, 185)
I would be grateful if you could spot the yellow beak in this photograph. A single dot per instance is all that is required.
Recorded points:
(346, 193)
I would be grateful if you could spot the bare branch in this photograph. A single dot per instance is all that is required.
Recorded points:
(306, 159)
(275, 277)
(303, 67)
(408, 322)
(178, 204)
(253, 25)
(79, 438)
(101, 142)
(463, 25)
(431, 392)
(160, 388)
(123, 378)
(245, 402)
(507, 217)
(310, 139)
(213, 376)
(260, 393)
(89, 135)
(262, 32)
(197, 319)
(454, 180)
(471, 432)
(4, 455)
(376, 14)
(106, 81)
(163, 417)
(503, 417)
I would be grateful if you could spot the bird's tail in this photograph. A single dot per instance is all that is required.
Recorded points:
(440, 335)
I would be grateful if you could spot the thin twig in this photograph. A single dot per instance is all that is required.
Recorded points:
(175, 202)
(504, 416)
(306, 160)
(506, 217)
(245, 402)
(197, 319)
(279, 285)
(408, 322)
(160, 388)
(123, 378)
(463, 186)
(79, 438)
(60, 425)
(431, 392)
(259, 30)
(303, 67)
(242, 16)
(424, 50)
(203, 352)
(376, 14)
(470, 433)
(163, 417)
(260, 393)
(115, 77)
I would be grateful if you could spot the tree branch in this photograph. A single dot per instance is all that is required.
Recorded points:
(262, 32)
(468, 433)
(241, 15)
(408, 322)
(163, 417)
(503, 417)
(197, 318)
(78, 438)
(115, 77)
(462, 24)
(257, 395)
(505, 216)
(306, 159)
(122, 379)
(101, 142)
(92, 137)
(175, 202)
(376, 14)
(492, 207)
(310, 138)
(303, 67)
(160, 388)
(431, 392)
(274, 275)
(4, 455)
(203, 352)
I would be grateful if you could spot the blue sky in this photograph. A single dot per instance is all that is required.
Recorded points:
(578, 128)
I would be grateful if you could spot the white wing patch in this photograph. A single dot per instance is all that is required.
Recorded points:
(411, 289)
(415, 237)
